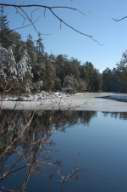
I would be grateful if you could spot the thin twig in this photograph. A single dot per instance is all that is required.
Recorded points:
(120, 19)
(29, 19)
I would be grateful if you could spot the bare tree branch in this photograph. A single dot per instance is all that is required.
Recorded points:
(28, 24)
(29, 19)
(18, 12)
(74, 29)
(120, 19)
(37, 5)
(51, 9)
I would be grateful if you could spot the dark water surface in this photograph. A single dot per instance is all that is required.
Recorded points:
(63, 151)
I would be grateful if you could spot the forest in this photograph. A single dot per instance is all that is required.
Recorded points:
(52, 72)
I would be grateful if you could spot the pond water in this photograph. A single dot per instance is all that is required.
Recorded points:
(63, 151)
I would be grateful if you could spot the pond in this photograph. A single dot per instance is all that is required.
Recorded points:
(66, 151)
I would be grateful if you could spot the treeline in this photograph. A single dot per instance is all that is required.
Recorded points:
(60, 73)
(50, 72)
(115, 80)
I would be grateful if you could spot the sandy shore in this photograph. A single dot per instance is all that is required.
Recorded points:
(107, 102)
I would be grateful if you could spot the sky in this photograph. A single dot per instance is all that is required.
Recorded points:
(96, 20)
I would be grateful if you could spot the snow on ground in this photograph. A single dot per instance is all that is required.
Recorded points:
(32, 97)
(108, 102)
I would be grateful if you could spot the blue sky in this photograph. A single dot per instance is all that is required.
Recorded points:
(97, 22)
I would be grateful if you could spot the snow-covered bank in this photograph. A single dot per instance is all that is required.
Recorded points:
(32, 97)
(107, 102)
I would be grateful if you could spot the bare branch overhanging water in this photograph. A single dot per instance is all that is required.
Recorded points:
(51, 9)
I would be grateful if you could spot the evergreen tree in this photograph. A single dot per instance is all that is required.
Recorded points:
(50, 76)
(31, 49)
(39, 49)
(5, 31)
(91, 76)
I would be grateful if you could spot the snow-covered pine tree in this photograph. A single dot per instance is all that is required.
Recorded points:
(15, 77)
(24, 72)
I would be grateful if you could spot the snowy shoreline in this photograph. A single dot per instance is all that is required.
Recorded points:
(106, 102)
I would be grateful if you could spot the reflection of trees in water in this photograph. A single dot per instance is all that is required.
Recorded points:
(121, 115)
(25, 134)
(61, 119)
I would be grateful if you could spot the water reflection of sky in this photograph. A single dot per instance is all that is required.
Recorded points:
(85, 151)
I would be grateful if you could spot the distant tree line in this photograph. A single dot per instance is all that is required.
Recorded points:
(115, 80)
(60, 73)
